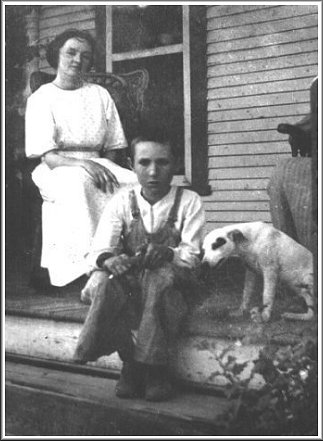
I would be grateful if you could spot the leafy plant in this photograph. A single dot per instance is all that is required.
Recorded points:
(287, 404)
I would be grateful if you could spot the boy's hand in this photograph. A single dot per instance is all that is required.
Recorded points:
(118, 265)
(157, 255)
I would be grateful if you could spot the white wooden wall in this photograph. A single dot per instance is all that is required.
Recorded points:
(261, 61)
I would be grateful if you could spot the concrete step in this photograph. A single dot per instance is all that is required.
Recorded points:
(48, 402)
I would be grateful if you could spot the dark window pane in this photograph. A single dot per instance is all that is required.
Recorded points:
(164, 97)
(145, 27)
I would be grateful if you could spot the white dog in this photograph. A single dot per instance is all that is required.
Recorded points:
(270, 253)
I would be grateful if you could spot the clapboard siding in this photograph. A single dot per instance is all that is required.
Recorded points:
(258, 53)
(263, 65)
(244, 137)
(236, 195)
(261, 61)
(250, 124)
(237, 184)
(262, 40)
(222, 11)
(245, 161)
(264, 88)
(253, 149)
(283, 110)
(309, 70)
(237, 216)
(267, 28)
(56, 19)
(59, 11)
(269, 99)
(263, 15)
(216, 206)
(228, 173)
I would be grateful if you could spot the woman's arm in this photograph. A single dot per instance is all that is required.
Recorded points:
(103, 178)
(53, 159)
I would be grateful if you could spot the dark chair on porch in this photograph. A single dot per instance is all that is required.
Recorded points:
(292, 187)
(128, 92)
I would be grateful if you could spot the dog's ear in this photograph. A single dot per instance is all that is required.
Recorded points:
(236, 236)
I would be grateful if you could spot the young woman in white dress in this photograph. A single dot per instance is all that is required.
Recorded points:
(74, 127)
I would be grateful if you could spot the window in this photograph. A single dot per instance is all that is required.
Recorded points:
(170, 42)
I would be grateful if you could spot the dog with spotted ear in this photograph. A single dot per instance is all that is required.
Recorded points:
(268, 253)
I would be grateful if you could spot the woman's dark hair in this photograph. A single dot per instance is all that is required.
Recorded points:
(54, 46)
(151, 133)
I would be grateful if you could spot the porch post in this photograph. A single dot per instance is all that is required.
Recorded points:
(32, 61)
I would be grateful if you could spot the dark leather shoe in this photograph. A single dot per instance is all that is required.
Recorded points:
(158, 386)
(130, 383)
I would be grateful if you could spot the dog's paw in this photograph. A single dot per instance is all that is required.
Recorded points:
(256, 315)
(265, 315)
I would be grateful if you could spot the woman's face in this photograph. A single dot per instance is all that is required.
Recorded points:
(74, 57)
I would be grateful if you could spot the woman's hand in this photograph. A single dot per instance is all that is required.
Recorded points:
(118, 265)
(157, 255)
(103, 178)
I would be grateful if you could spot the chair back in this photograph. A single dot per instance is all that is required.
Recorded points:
(303, 134)
(127, 90)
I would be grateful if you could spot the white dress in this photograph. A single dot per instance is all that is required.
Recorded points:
(79, 123)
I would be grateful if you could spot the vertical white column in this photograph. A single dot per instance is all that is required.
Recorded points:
(108, 33)
(187, 94)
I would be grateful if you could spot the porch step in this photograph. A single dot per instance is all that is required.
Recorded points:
(48, 402)
(47, 326)
(195, 359)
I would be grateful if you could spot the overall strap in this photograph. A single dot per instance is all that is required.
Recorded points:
(135, 212)
(172, 217)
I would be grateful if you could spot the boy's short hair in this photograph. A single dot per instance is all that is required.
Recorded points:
(155, 134)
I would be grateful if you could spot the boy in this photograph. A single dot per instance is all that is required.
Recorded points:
(148, 244)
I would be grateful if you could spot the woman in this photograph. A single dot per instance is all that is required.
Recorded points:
(74, 127)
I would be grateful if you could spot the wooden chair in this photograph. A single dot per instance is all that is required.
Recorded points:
(128, 92)
(292, 187)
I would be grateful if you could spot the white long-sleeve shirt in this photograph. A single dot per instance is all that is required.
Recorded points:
(117, 218)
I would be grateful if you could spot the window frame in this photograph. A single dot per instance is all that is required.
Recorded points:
(193, 47)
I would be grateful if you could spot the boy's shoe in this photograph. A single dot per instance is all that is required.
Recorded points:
(158, 386)
(130, 383)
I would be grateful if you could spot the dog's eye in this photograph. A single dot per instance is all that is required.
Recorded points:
(218, 243)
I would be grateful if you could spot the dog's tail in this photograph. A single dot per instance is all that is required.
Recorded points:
(304, 316)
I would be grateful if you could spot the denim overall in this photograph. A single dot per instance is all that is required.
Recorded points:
(148, 301)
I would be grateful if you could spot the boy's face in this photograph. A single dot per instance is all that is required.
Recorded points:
(154, 165)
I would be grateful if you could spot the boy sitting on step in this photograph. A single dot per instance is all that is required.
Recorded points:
(145, 255)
